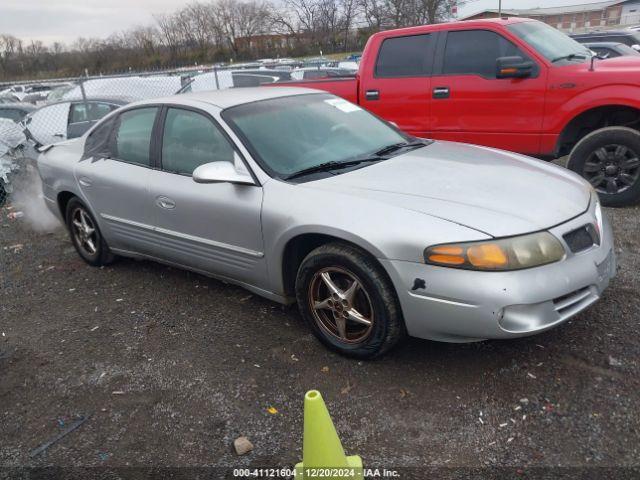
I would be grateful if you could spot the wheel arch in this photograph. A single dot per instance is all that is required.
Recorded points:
(63, 199)
(298, 245)
(587, 120)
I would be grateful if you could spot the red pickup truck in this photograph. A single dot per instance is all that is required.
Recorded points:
(514, 84)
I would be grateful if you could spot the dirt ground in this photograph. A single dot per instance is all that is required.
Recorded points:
(171, 367)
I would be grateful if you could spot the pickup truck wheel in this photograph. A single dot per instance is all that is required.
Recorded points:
(609, 158)
(348, 301)
(85, 235)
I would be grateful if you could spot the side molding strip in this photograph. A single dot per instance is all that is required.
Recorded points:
(183, 236)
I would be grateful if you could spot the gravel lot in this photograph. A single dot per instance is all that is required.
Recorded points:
(173, 366)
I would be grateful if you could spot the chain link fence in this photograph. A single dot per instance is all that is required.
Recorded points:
(38, 113)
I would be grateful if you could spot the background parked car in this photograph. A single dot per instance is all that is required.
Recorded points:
(135, 88)
(15, 111)
(58, 93)
(314, 73)
(8, 97)
(611, 49)
(494, 82)
(36, 98)
(68, 119)
(235, 78)
(19, 91)
(630, 38)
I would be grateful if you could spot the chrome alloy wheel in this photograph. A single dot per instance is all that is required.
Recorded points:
(84, 231)
(340, 305)
(612, 169)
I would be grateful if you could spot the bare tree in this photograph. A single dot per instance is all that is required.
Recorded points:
(208, 30)
(170, 33)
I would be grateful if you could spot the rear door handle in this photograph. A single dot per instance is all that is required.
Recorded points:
(166, 203)
(441, 92)
(372, 95)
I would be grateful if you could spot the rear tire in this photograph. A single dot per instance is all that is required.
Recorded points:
(337, 311)
(85, 235)
(609, 159)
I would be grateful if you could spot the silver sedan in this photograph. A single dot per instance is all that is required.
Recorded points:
(300, 196)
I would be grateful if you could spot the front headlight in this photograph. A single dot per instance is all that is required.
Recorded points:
(512, 253)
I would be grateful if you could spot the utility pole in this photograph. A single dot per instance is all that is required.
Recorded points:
(499, 8)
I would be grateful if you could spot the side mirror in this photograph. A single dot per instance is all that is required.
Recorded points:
(221, 172)
(513, 67)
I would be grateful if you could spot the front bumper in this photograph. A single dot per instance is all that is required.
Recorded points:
(463, 305)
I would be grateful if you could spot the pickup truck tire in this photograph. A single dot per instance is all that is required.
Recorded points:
(85, 234)
(609, 159)
(339, 288)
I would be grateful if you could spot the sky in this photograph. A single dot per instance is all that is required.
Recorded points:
(66, 20)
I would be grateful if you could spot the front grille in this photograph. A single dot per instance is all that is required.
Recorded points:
(582, 238)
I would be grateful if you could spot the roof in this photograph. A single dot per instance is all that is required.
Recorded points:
(232, 97)
(583, 7)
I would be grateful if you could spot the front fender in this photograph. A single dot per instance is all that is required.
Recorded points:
(383, 230)
(609, 95)
(275, 260)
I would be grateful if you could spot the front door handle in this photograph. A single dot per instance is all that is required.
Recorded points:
(441, 92)
(166, 203)
(372, 94)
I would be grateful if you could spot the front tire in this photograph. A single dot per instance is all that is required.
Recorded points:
(348, 301)
(609, 159)
(85, 234)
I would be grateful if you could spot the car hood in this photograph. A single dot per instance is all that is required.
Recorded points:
(625, 62)
(489, 190)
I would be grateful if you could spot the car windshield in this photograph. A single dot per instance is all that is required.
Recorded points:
(550, 42)
(290, 134)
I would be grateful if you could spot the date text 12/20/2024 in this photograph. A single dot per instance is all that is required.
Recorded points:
(315, 473)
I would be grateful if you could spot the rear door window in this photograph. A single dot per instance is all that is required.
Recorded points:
(132, 139)
(405, 57)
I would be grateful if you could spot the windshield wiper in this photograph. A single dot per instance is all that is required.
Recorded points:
(398, 146)
(375, 157)
(571, 56)
(323, 167)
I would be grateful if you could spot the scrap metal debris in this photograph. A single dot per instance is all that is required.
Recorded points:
(37, 451)
(12, 142)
